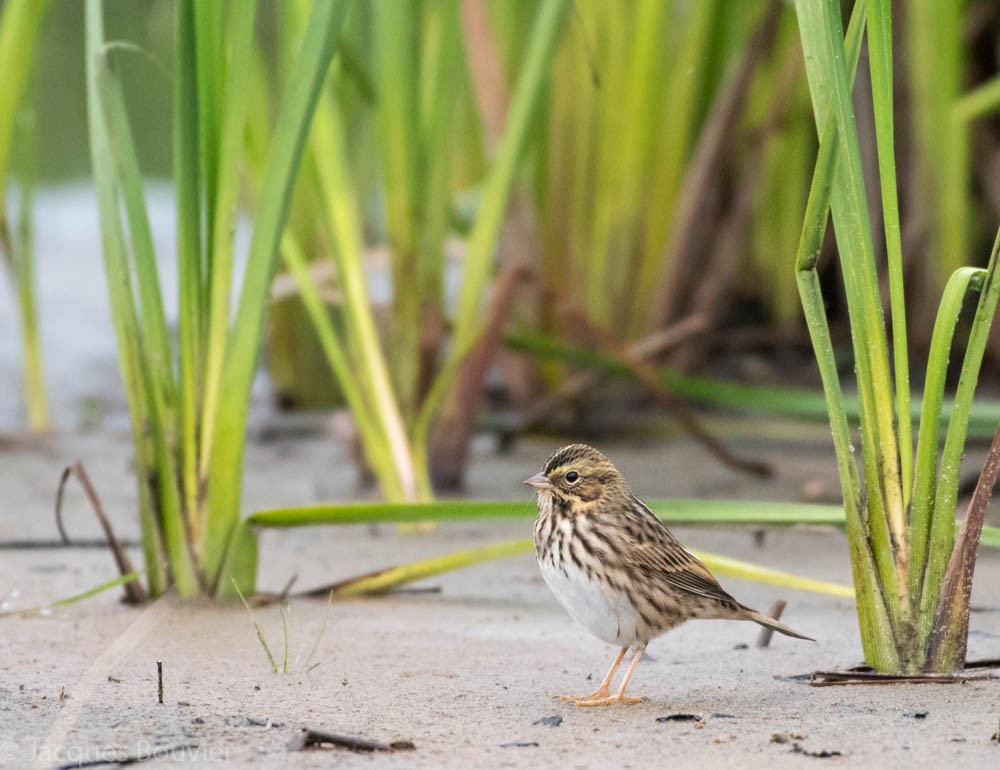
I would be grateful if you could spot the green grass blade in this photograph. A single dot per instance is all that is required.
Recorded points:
(397, 79)
(23, 263)
(260, 634)
(207, 52)
(20, 21)
(157, 506)
(673, 511)
(784, 401)
(981, 101)
(128, 577)
(876, 522)
(880, 66)
(373, 438)
(681, 512)
(152, 317)
(819, 23)
(942, 530)
(152, 352)
(224, 209)
(389, 579)
(387, 446)
(723, 566)
(309, 72)
(928, 441)
(191, 300)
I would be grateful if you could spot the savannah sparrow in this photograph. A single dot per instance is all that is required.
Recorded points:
(615, 566)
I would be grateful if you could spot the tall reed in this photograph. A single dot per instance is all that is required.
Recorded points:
(911, 574)
(395, 382)
(20, 25)
(189, 401)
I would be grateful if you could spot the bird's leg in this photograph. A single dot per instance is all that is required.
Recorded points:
(603, 691)
(605, 699)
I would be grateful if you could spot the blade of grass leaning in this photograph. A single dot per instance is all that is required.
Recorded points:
(942, 529)
(980, 101)
(674, 511)
(387, 445)
(960, 285)
(153, 352)
(737, 568)
(128, 577)
(367, 417)
(132, 364)
(260, 633)
(792, 402)
(383, 581)
(678, 511)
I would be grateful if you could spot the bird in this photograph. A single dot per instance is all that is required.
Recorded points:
(616, 568)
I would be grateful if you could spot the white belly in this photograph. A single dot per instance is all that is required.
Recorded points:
(606, 613)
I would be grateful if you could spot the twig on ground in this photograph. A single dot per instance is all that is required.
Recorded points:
(833, 678)
(764, 639)
(312, 737)
(134, 592)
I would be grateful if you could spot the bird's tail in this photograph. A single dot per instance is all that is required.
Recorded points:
(767, 622)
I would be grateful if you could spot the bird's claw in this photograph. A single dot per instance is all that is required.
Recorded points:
(600, 699)
(598, 695)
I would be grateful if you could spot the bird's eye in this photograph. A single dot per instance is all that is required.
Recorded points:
(572, 477)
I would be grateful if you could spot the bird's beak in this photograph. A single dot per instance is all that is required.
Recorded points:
(539, 481)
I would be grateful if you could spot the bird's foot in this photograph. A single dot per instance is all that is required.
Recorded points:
(602, 699)
(604, 692)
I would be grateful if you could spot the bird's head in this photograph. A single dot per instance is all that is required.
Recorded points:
(579, 474)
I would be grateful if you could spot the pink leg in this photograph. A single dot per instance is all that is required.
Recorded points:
(603, 691)
(602, 697)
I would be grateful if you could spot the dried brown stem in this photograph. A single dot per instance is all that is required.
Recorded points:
(648, 348)
(312, 737)
(949, 635)
(134, 592)
(699, 195)
(764, 638)
(677, 406)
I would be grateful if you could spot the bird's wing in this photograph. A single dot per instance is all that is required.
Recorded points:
(661, 556)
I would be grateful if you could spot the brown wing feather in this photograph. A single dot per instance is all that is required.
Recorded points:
(661, 556)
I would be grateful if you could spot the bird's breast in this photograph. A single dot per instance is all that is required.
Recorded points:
(605, 611)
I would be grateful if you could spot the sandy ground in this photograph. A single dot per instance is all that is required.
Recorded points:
(466, 674)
